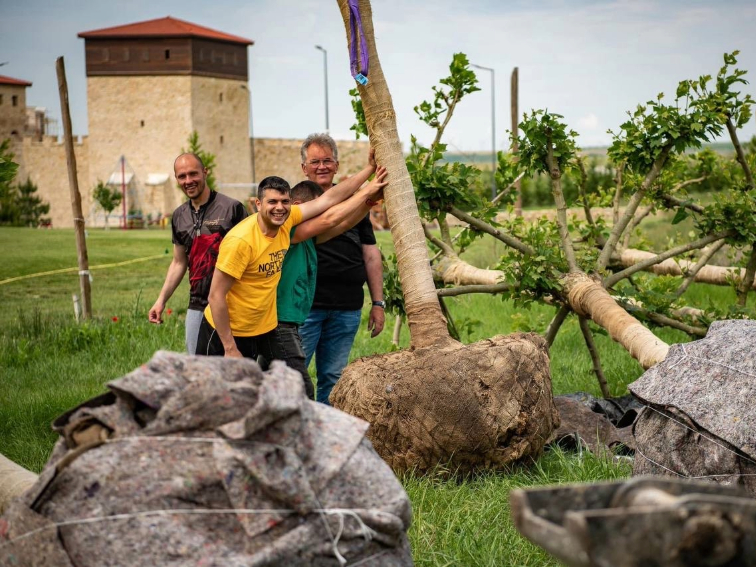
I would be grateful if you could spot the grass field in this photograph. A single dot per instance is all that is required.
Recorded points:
(49, 364)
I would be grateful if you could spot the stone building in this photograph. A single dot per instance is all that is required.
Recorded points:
(149, 86)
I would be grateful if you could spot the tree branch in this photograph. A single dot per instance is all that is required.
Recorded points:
(619, 228)
(397, 331)
(700, 243)
(739, 153)
(445, 248)
(556, 323)
(747, 282)
(665, 321)
(445, 234)
(583, 196)
(589, 342)
(488, 229)
(561, 206)
(465, 289)
(440, 129)
(637, 219)
(508, 188)
(672, 201)
(617, 200)
(705, 258)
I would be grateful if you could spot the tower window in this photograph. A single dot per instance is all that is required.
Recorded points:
(126, 54)
(1, 99)
(105, 54)
(141, 123)
(221, 140)
(202, 54)
(167, 53)
(14, 100)
(146, 55)
(220, 97)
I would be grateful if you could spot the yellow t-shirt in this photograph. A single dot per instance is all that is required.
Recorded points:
(254, 260)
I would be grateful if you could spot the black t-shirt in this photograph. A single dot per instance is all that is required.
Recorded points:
(341, 269)
(213, 220)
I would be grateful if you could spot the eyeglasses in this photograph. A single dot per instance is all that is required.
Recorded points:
(328, 162)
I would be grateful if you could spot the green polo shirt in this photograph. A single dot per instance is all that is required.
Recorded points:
(296, 289)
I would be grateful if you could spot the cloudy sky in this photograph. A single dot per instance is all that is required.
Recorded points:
(589, 60)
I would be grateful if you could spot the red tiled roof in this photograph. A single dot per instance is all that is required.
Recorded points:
(163, 27)
(11, 81)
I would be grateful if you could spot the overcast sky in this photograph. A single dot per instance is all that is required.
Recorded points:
(589, 60)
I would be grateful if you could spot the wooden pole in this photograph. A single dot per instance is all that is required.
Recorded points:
(73, 183)
(515, 144)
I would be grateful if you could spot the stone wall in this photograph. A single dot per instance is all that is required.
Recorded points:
(281, 157)
(147, 119)
(220, 114)
(44, 162)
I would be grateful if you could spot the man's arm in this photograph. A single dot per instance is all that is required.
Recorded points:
(173, 278)
(336, 194)
(374, 267)
(345, 215)
(221, 285)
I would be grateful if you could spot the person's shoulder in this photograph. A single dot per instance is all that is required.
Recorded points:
(182, 208)
(225, 199)
(244, 227)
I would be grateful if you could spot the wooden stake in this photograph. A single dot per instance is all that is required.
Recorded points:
(73, 183)
(514, 101)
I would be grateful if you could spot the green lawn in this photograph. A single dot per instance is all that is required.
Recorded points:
(49, 364)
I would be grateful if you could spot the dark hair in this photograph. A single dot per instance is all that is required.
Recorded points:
(306, 191)
(195, 156)
(272, 182)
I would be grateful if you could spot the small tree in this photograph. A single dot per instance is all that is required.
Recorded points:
(31, 208)
(8, 169)
(207, 158)
(107, 198)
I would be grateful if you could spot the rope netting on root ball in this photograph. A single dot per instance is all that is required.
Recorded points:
(483, 405)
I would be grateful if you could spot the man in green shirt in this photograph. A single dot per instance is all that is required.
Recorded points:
(296, 289)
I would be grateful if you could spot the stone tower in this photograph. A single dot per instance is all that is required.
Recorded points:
(149, 85)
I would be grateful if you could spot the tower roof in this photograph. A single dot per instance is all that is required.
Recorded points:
(11, 81)
(163, 27)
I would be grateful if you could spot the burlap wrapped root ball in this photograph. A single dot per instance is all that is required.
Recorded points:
(479, 406)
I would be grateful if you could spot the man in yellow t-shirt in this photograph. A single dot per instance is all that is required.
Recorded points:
(241, 311)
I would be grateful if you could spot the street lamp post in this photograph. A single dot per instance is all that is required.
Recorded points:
(493, 127)
(325, 75)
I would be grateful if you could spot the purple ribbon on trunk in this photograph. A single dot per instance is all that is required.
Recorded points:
(355, 25)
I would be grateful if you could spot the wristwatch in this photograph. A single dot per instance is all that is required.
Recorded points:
(381, 304)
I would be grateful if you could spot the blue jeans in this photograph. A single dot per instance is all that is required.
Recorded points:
(329, 334)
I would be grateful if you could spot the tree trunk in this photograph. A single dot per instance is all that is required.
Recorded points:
(424, 317)
(441, 403)
(588, 298)
(716, 275)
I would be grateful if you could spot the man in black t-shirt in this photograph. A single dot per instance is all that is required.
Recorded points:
(197, 226)
(345, 263)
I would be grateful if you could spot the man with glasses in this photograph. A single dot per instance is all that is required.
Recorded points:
(345, 263)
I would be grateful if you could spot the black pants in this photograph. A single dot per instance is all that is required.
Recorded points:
(288, 347)
(282, 343)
